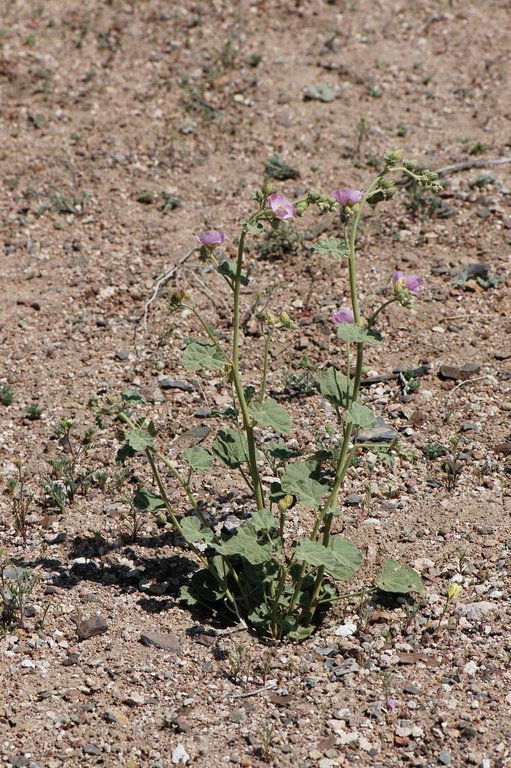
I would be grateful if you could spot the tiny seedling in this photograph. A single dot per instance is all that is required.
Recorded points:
(6, 394)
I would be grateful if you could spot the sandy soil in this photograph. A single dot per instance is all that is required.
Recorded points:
(126, 128)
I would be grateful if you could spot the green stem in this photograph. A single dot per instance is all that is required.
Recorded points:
(326, 518)
(373, 317)
(247, 421)
(208, 330)
(267, 338)
(177, 474)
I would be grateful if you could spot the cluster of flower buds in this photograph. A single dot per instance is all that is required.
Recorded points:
(324, 202)
(282, 321)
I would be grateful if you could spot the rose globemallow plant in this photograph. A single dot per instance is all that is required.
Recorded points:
(275, 581)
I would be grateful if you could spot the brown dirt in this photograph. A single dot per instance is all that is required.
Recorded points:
(108, 112)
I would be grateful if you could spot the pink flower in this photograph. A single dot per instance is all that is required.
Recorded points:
(212, 238)
(281, 206)
(391, 704)
(348, 197)
(412, 283)
(343, 315)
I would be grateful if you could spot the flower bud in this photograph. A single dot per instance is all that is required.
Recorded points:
(285, 503)
(268, 188)
(301, 207)
(286, 320)
(453, 589)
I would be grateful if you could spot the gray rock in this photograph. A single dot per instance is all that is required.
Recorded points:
(445, 757)
(165, 641)
(185, 386)
(476, 611)
(190, 437)
(97, 625)
(237, 716)
(92, 749)
(380, 433)
(354, 500)
(459, 372)
(121, 354)
(19, 761)
(347, 667)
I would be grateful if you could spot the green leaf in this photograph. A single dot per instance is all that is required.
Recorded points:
(224, 413)
(348, 557)
(271, 414)
(355, 332)
(249, 393)
(193, 531)
(398, 577)
(254, 227)
(280, 451)
(230, 448)
(132, 397)
(198, 458)
(334, 386)
(316, 554)
(361, 416)
(298, 479)
(200, 354)
(331, 246)
(245, 544)
(147, 501)
(227, 269)
(262, 520)
(124, 452)
(138, 439)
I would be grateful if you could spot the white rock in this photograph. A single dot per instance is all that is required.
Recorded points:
(470, 668)
(180, 755)
(345, 630)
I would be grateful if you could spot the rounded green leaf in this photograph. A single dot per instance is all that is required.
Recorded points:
(200, 354)
(348, 557)
(198, 458)
(354, 332)
(398, 577)
(271, 414)
(361, 416)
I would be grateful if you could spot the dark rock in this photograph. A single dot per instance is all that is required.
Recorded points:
(459, 372)
(121, 354)
(165, 641)
(413, 690)
(185, 386)
(190, 437)
(71, 660)
(92, 749)
(380, 433)
(503, 448)
(97, 625)
(354, 500)
(35, 305)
